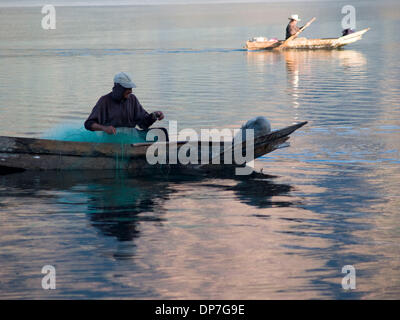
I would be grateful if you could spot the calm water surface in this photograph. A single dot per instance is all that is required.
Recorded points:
(329, 200)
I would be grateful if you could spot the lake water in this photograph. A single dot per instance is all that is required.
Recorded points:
(331, 199)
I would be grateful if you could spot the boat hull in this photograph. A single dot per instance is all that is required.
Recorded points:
(18, 153)
(304, 43)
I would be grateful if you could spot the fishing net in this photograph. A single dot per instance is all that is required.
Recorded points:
(78, 133)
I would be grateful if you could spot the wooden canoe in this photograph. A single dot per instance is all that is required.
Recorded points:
(17, 153)
(304, 43)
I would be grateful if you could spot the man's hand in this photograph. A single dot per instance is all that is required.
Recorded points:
(109, 129)
(159, 115)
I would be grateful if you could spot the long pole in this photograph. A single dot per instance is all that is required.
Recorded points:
(284, 44)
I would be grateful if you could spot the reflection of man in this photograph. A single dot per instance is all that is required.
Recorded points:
(292, 27)
(120, 108)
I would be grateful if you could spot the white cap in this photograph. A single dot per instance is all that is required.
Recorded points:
(124, 80)
(294, 17)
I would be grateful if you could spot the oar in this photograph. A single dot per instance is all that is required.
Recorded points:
(284, 44)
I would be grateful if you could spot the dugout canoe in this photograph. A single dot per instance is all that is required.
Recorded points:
(19, 154)
(304, 43)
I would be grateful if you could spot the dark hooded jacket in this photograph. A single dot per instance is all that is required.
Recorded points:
(291, 29)
(113, 110)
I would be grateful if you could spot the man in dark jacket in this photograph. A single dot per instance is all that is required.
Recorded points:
(292, 27)
(120, 108)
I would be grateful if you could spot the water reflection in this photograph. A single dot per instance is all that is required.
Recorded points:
(115, 208)
(139, 225)
(292, 68)
(116, 202)
(113, 200)
(299, 65)
(259, 190)
(260, 59)
(304, 68)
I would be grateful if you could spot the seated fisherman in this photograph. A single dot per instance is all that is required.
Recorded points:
(120, 108)
(292, 27)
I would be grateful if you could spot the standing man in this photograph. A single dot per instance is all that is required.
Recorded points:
(120, 108)
(292, 27)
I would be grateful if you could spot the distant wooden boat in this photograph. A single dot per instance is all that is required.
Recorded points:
(18, 153)
(304, 43)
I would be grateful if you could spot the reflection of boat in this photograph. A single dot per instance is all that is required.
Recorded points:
(116, 203)
(112, 201)
(304, 43)
(302, 58)
(42, 154)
